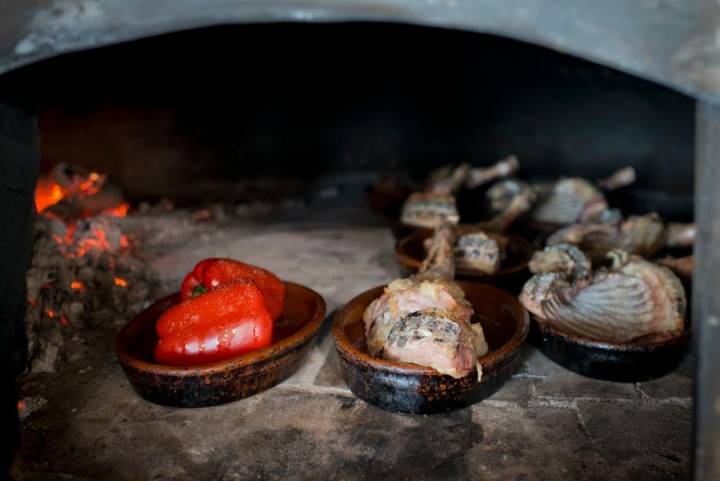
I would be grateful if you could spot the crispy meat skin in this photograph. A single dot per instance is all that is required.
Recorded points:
(642, 235)
(428, 210)
(567, 201)
(634, 299)
(426, 319)
(478, 251)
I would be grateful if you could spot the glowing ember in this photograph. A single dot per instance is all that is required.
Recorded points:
(119, 211)
(98, 242)
(119, 281)
(82, 238)
(91, 185)
(21, 406)
(47, 193)
(51, 313)
(74, 185)
(76, 285)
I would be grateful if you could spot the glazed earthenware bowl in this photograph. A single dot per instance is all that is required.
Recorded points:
(610, 361)
(227, 380)
(398, 386)
(410, 252)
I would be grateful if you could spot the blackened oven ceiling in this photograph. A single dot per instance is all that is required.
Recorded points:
(669, 41)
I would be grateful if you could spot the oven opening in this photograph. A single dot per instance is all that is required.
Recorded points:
(260, 143)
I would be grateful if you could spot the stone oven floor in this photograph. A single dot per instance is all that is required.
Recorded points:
(546, 423)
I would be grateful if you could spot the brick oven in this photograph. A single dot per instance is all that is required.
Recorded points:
(252, 130)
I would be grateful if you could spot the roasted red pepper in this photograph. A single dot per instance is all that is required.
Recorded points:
(224, 322)
(213, 273)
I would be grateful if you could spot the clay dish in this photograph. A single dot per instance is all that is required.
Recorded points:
(223, 381)
(410, 252)
(611, 361)
(397, 386)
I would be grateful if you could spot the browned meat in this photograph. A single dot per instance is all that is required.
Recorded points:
(641, 235)
(427, 210)
(634, 299)
(620, 178)
(510, 199)
(571, 200)
(682, 266)
(502, 168)
(448, 180)
(476, 250)
(564, 259)
(426, 319)
(479, 252)
(567, 201)
(680, 235)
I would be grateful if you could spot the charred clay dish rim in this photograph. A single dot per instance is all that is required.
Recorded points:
(412, 262)
(492, 358)
(629, 346)
(275, 350)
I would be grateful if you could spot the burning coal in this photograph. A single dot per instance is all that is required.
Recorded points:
(82, 261)
(71, 192)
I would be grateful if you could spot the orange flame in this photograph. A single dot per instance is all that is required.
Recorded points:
(76, 285)
(119, 281)
(50, 313)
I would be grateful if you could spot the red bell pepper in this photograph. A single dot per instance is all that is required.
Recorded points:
(224, 322)
(210, 274)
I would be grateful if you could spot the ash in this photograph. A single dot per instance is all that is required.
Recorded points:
(89, 274)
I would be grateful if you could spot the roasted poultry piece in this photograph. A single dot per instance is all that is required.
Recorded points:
(425, 319)
(437, 201)
(642, 235)
(509, 199)
(426, 209)
(682, 266)
(561, 202)
(620, 178)
(574, 199)
(633, 299)
(567, 201)
(480, 252)
(482, 175)
(477, 249)
(563, 259)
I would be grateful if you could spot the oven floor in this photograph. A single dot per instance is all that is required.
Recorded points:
(546, 423)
